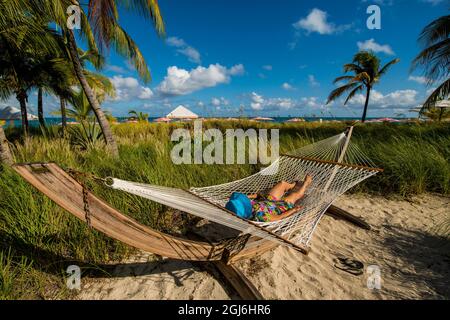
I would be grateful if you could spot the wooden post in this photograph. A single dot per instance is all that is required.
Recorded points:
(340, 213)
(5, 152)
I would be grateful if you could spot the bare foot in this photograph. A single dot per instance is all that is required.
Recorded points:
(303, 184)
(308, 180)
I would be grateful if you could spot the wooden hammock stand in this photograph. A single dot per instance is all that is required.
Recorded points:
(72, 196)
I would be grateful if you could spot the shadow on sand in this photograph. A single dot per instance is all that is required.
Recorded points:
(53, 264)
(427, 255)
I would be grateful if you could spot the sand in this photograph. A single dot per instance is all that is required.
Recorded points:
(404, 243)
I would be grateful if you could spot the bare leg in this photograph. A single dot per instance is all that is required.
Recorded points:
(298, 194)
(280, 189)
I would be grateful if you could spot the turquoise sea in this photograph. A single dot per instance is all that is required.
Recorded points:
(57, 121)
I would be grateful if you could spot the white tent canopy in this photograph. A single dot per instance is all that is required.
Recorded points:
(442, 104)
(12, 113)
(181, 112)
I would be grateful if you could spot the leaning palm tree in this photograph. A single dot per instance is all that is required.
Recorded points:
(435, 60)
(366, 73)
(101, 29)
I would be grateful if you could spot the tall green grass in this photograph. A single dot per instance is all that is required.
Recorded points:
(38, 240)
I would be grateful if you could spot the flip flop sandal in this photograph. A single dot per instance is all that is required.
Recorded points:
(351, 266)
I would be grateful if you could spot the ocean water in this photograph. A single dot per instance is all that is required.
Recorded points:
(57, 121)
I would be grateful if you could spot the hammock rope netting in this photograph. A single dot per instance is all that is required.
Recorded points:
(335, 164)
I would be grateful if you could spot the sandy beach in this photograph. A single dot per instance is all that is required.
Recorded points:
(404, 243)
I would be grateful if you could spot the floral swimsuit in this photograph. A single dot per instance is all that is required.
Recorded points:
(264, 208)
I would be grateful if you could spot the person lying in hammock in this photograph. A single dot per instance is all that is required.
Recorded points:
(279, 203)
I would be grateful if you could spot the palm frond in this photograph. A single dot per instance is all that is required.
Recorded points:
(339, 79)
(102, 15)
(336, 93)
(440, 93)
(437, 30)
(352, 67)
(435, 60)
(363, 77)
(353, 93)
(148, 9)
(94, 57)
(127, 48)
(387, 66)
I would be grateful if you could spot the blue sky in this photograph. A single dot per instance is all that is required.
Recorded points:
(262, 57)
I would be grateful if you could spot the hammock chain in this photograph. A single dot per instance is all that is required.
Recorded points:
(78, 176)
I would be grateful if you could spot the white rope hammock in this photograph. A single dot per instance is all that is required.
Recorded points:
(335, 165)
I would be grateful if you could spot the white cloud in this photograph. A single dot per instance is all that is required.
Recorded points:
(397, 99)
(418, 79)
(287, 86)
(312, 81)
(116, 69)
(219, 102)
(128, 88)
(190, 52)
(180, 81)
(146, 93)
(237, 70)
(283, 103)
(311, 102)
(317, 21)
(267, 67)
(175, 42)
(371, 45)
(258, 102)
(215, 101)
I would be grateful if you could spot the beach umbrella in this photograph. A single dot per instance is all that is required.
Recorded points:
(296, 120)
(163, 119)
(263, 119)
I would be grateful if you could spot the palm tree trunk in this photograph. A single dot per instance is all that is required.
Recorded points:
(441, 113)
(62, 104)
(366, 104)
(104, 124)
(40, 109)
(22, 98)
(5, 152)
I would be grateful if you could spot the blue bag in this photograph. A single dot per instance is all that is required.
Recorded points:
(240, 204)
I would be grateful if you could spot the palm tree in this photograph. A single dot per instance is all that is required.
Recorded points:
(52, 76)
(25, 60)
(367, 72)
(40, 108)
(81, 108)
(101, 29)
(139, 116)
(436, 114)
(435, 59)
